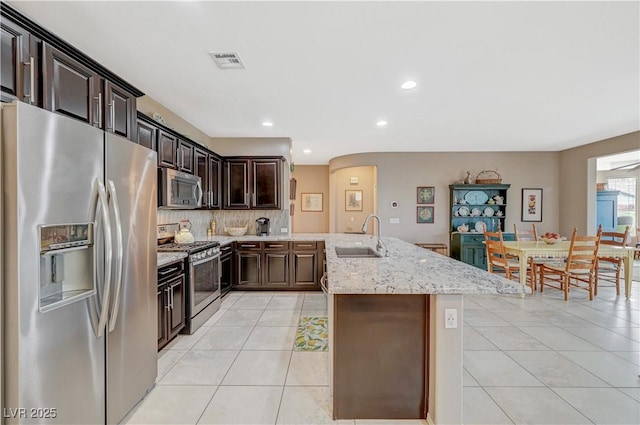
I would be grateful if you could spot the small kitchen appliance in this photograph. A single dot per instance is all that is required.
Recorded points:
(262, 226)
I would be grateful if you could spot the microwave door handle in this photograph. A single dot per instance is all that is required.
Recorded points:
(101, 203)
(119, 255)
(199, 189)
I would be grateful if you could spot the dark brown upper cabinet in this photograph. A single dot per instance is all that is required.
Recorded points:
(120, 110)
(236, 174)
(185, 156)
(207, 167)
(253, 183)
(19, 64)
(266, 183)
(147, 134)
(167, 149)
(70, 88)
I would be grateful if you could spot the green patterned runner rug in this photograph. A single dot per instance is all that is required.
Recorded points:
(312, 334)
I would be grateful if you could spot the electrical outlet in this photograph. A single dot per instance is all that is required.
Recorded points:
(284, 230)
(450, 318)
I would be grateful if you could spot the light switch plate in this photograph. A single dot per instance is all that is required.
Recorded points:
(394, 221)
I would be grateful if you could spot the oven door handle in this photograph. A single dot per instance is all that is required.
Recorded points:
(204, 260)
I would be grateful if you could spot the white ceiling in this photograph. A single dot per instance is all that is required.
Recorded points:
(493, 76)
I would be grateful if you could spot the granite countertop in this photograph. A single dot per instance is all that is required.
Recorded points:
(165, 258)
(408, 269)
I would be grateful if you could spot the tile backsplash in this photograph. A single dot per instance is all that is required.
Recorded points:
(201, 219)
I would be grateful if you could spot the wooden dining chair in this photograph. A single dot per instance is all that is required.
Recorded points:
(578, 268)
(636, 255)
(525, 235)
(534, 263)
(497, 259)
(608, 268)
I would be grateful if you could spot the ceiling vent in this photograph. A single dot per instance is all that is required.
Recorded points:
(227, 60)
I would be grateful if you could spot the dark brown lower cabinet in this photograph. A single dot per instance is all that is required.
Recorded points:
(381, 347)
(171, 306)
(278, 265)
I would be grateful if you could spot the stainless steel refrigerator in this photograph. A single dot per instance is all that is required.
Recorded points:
(79, 270)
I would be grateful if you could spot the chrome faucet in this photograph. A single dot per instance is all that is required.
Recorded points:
(380, 245)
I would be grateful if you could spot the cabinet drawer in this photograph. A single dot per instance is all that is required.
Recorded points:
(473, 238)
(305, 245)
(282, 246)
(244, 246)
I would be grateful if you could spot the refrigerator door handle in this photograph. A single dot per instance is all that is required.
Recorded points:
(111, 187)
(101, 201)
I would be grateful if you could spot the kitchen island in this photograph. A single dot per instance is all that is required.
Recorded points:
(391, 356)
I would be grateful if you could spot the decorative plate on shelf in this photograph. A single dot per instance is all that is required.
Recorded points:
(476, 212)
(488, 212)
(480, 226)
(476, 197)
(463, 211)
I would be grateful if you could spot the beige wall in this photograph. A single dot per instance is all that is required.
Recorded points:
(578, 177)
(148, 106)
(311, 179)
(399, 174)
(340, 181)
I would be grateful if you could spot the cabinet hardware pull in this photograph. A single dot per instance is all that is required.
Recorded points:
(276, 246)
(254, 199)
(305, 244)
(110, 126)
(168, 271)
(32, 77)
(247, 246)
(168, 305)
(99, 112)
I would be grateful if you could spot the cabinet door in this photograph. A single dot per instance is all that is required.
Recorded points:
(215, 172)
(474, 255)
(177, 319)
(304, 270)
(19, 65)
(146, 135)
(162, 317)
(266, 184)
(201, 169)
(120, 111)
(248, 271)
(185, 156)
(167, 149)
(71, 88)
(237, 184)
(276, 268)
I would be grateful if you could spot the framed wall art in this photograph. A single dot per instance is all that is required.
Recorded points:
(424, 215)
(531, 204)
(353, 200)
(311, 202)
(426, 194)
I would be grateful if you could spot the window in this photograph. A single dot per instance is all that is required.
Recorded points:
(627, 206)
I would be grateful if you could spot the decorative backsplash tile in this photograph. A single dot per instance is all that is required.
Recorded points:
(200, 220)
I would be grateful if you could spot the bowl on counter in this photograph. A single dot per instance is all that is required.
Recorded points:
(236, 231)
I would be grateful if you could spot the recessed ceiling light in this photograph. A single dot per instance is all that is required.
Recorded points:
(267, 124)
(408, 85)
(306, 151)
(381, 123)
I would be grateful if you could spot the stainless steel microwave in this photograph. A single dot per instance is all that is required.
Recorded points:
(179, 190)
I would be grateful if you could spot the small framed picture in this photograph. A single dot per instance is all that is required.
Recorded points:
(311, 202)
(353, 200)
(424, 215)
(531, 204)
(426, 194)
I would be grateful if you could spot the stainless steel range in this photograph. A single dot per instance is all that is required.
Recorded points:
(203, 275)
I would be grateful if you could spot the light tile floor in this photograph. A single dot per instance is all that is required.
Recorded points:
(537, 360)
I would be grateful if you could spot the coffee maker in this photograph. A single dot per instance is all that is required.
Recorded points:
(262, 226)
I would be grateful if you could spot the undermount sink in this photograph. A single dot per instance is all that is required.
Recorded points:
(356, 252)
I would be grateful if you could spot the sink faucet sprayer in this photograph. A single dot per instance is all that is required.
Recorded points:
(380, 244)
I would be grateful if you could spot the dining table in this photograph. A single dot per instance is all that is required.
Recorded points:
(540, 249)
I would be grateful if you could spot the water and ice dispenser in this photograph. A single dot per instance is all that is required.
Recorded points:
(67, 264)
